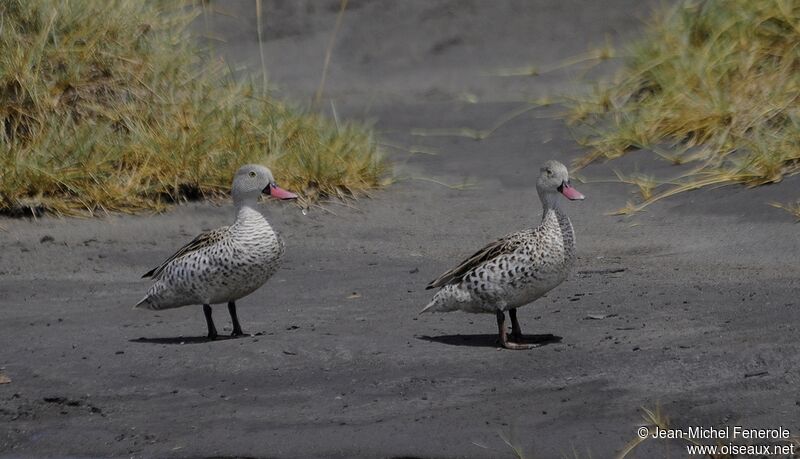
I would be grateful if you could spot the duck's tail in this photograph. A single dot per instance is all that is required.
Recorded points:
(447, 299)
(146, 303)
(429, 308)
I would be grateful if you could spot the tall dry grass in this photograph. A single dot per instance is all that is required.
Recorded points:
(109, 105)
(714, 84)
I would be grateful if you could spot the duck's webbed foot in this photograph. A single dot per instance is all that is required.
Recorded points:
(516, 333)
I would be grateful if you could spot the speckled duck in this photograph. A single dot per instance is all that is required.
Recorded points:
(225, 264)
(516, 269)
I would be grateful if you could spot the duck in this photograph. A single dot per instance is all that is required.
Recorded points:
(225, 264)
(518, 268)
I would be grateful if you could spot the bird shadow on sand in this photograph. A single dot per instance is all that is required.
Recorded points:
(489, 340)
(186, 339)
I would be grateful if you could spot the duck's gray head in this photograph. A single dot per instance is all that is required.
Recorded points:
(253, 179)
(554, 178)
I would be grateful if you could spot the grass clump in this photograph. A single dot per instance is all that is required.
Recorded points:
(714, 84)
(109, 105)
(791, 207)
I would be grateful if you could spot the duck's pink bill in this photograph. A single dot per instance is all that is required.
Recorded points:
(280, 193)
(571, 193)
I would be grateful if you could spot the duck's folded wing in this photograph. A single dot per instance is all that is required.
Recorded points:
(204, 239)
(497, 248)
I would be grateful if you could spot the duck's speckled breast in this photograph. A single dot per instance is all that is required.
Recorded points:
(257, 252)
(537, 266)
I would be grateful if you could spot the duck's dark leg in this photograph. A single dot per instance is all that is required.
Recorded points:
(212, 331)
(516, 331)
(237, 329)
(501, 329)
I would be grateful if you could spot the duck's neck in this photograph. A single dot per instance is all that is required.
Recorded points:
(550, 203)
(554, 218)
(248, 218)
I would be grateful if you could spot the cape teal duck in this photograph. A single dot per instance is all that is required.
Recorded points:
(225, 264)
(518, 268)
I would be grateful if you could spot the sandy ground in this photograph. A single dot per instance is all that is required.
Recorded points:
(691, 306)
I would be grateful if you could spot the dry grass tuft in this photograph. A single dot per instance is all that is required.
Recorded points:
(791, 207)
(714, 82)
(110, 106)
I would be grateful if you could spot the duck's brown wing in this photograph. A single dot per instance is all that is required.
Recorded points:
(204, 239)
(502, 246)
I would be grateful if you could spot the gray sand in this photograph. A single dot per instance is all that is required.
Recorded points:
(691, 306)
